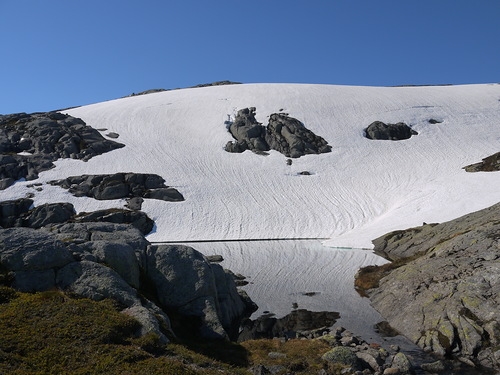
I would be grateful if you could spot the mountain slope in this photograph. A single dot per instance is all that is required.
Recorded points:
(360, 190)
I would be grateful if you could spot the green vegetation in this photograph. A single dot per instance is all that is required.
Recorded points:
(55, 333)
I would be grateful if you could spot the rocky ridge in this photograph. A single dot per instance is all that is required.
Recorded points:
(447, 291)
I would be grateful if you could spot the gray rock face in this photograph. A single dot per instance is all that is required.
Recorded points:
(11, 211)
(186, 281)
(105, 260)
(120, 185)
(393, 132)
(30, 143)
(33, 256)
(488, 164)
(283, 133)
(446, 298)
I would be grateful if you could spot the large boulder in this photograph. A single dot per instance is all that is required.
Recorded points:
(393, 132)
(186, 282)
(11, 211)
(447, 291)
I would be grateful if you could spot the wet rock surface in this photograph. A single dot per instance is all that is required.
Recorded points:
(285, 134)
(30, 143)
(445, 296)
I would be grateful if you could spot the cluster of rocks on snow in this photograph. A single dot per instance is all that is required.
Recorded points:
(284, 134)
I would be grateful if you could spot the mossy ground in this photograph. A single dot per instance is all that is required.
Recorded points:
(53, 333)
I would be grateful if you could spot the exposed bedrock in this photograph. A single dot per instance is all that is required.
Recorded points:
(285, 134)
(120, 185)
(29, 143)
(488, 164)
(392, 132)
(445, 296)
(106, 260)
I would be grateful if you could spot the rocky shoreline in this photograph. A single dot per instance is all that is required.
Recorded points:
(444, 292)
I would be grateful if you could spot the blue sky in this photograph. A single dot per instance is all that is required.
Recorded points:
(60, 53)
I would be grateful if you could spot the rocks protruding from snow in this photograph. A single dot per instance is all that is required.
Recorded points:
(393, 132)
(290, 137)
(18, 213)
(119, 216)
(448, 292)
(120, 185)
(29, 143)
(488, 164)
(285, 134)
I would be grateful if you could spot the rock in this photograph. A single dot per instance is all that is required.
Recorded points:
(434, 367)
(341, 355)
(290, 137)
(394, 132)
(119, 216)
(488, 164)
(120, 185)
(25, 249)
(403, 364)
(283, 133)
(46, 214)
(186, 281)
(369, 360)
(448, 286)
(10, 211)
(298, 323)
(44, 138)
(119, 256)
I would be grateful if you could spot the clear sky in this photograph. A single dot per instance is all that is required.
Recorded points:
(61, 53)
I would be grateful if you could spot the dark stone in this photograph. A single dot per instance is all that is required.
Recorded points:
(268, 326)
(118, 216)
(10, 211)
(44, 138)
(120, 185)
(283, 133)
(51, 213)
(393, 132)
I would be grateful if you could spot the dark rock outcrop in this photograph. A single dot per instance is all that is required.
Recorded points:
(488, 164)
(447, 292)
(290, 137)
(120, 185)
(285, 134)
(19, 213)
(29, 143)
(393, 132)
